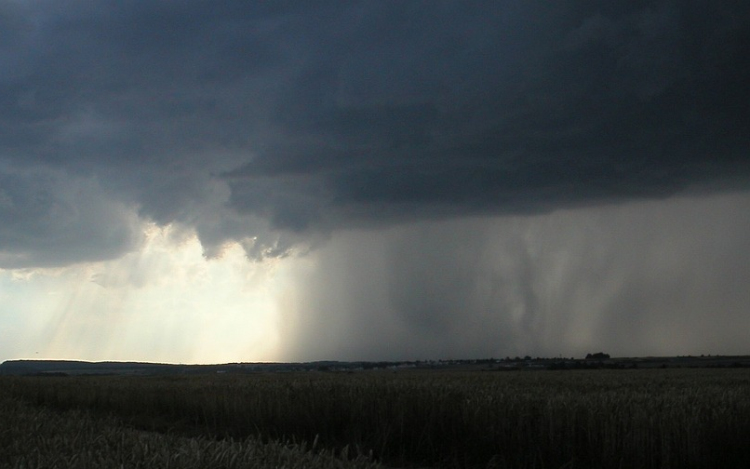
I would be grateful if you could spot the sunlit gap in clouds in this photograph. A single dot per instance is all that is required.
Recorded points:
(164, 302)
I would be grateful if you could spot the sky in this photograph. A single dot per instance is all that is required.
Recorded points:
(225, 181)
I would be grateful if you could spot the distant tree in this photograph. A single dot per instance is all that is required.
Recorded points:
(597, 356)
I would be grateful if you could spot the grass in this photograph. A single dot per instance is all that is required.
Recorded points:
(543, 419)
(36, 437)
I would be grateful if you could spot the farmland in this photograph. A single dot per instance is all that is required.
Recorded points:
(640, 418)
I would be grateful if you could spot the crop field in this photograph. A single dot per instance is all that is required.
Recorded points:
(673, 418)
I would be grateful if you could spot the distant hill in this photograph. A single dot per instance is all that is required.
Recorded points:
(73, 367)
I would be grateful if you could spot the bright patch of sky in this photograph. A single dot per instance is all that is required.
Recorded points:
(164, 302)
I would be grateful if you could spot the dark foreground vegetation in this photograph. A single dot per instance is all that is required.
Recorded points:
(678, 418)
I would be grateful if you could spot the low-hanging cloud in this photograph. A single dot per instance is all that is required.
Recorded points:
(278, 124)
(52, 219)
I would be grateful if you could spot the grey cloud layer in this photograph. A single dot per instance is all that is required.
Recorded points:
(51, 219)
(247, 119)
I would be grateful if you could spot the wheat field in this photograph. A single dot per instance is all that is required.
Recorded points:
(674, 418)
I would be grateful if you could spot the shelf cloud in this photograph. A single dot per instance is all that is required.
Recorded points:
(309, 118)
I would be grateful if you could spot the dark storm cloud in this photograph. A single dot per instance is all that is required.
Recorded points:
(511, 108)
(245, 119)
(51, 219)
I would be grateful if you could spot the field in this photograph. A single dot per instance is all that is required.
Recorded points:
(678, 418)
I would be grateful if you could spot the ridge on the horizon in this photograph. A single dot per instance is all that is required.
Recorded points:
(82, 367)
